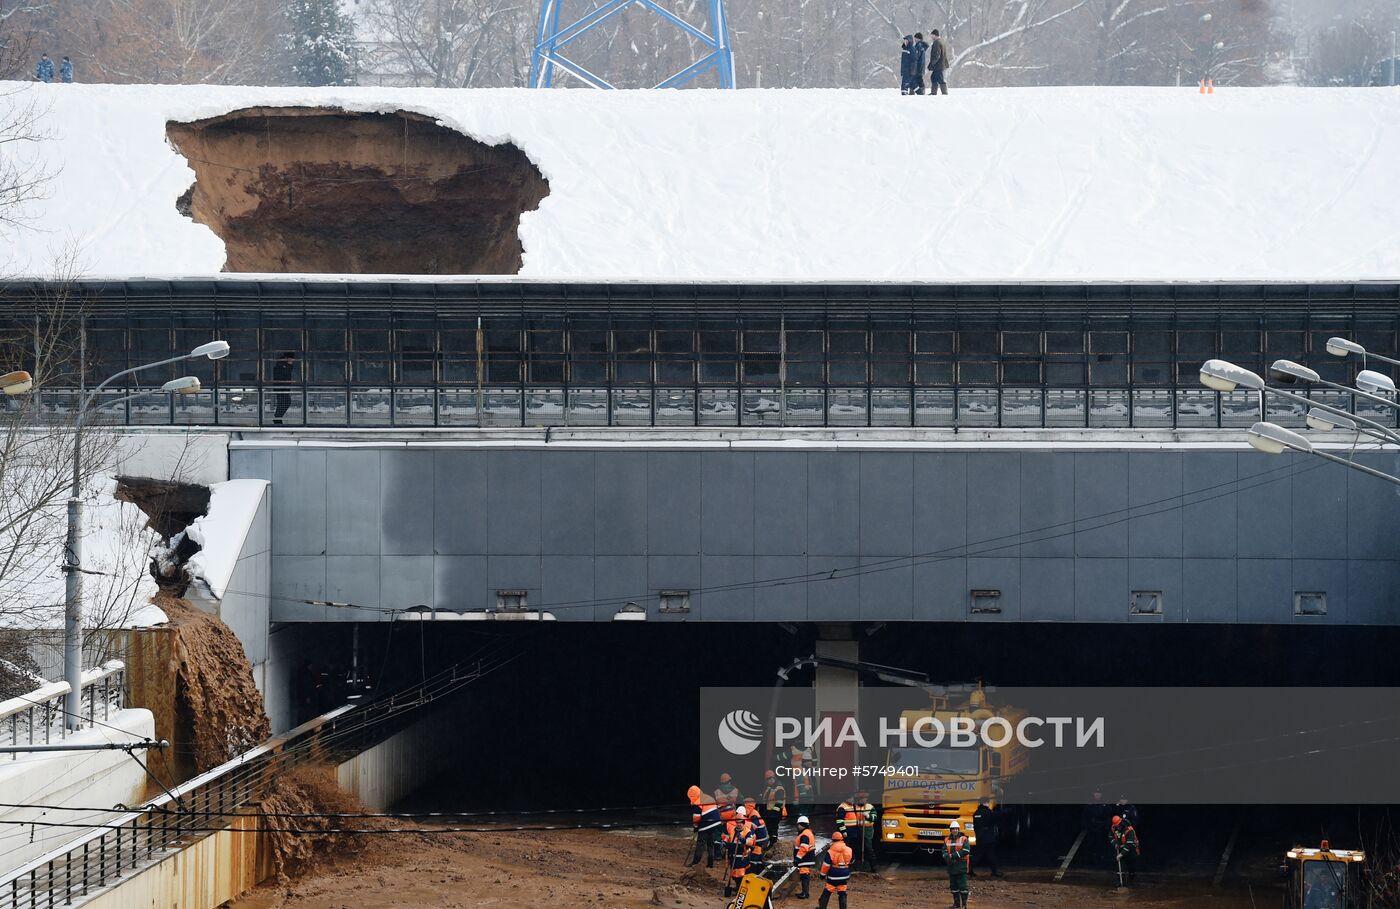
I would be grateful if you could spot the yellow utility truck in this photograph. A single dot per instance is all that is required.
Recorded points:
(931, 786)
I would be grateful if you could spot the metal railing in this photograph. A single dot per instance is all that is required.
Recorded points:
(37, 718)
(963, 407)
(216, 800)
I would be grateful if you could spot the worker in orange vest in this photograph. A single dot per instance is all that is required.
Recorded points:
(762, 836)
(1126, 849)
(709, 826)
(804, 854)
(957, 854)
(836, 871)
(741, 846)
(848, 816)
(727, 795)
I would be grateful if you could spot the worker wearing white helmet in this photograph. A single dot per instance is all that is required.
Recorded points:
(740, 839)
(956, 853)
(804, 854)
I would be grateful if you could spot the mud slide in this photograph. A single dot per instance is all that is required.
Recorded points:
(322, 190)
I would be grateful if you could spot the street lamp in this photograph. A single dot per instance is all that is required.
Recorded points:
(16, 383)
(1374, 384)
(73, 553)
(1368, 382)
(1341, 347)
(1326, 422)
(1271, 438)
(1224, 376)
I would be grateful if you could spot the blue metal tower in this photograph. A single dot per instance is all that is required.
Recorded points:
(550, 39)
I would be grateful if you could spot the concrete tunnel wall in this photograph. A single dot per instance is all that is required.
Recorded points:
(1225, 535)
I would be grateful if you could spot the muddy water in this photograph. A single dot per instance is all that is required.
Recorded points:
(219, 710)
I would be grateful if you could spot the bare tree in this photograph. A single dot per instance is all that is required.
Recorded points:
(19, 33)
(173, 41)
(23, 174)
(446, 43)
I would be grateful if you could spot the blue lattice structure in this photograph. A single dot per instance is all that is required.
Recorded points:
(550, 40)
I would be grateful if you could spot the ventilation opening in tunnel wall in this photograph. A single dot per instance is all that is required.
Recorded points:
(318, 190)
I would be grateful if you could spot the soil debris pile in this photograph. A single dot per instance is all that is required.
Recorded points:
(219, 710)
(313, 189)
(299, 843)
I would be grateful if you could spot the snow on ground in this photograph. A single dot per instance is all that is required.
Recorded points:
(117, 585)
(220, 532)
(1069, 184)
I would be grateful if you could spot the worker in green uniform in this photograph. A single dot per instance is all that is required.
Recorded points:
(957, 854)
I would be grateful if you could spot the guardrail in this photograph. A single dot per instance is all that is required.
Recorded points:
(213, 801)
(38, 718)
(1138, 407)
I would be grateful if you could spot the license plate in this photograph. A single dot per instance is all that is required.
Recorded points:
(928, 834)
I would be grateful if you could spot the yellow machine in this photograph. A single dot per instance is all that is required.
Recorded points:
(948, 782)
(1325, 878)
(753, 893)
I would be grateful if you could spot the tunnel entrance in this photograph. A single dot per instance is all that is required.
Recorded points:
(321, 190)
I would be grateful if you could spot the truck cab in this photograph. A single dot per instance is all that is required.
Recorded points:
(928, 788)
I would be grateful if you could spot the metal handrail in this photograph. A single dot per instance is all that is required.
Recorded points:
(38, 717)
(213, 800)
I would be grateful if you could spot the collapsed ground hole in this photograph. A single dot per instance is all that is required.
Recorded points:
(320, 190)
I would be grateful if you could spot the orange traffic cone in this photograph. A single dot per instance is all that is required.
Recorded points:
(1202, 83)
(1210, 86)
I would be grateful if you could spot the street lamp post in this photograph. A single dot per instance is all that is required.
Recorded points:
(72, 553)
(1271, 438)
(1224, 376)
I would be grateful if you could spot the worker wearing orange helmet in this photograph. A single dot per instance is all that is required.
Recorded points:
(762, 836)
(1124, 840)
(836, 871)
(709, 826)
(727, 795)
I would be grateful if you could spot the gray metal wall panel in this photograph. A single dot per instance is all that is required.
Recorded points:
(940, 589)
(459, 488)
(620, 503)
(1047, 504)
(406, 496)
(780, 503)
(1264, 591)
(994, 501)
(883, 535)
(673, 513)
(460, 583)
(568, 580)
(354, 521)
(1154, 490)
(1048, 589)
(298, 501)
(1209, 514)
(886, 506)
(513, 502)
(727, 503)
(1208, 590)
(833, 502)
(1100, 504)
(729, 594)
(781, 602)
(1265, 500)
(566, 502)
(940, 504)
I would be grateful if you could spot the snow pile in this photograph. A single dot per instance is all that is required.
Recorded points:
(220, 532)
(117, 583)
(1071, 184)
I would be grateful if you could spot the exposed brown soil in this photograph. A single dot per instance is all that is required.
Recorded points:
(326, 190)
(297, 844)
(641, 870)
(219, 710)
